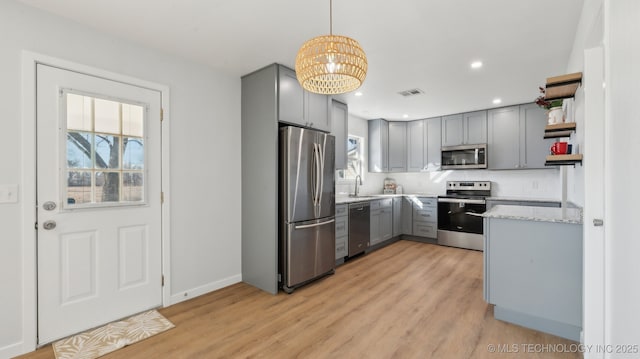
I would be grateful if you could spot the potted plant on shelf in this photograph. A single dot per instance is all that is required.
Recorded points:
(555, 113)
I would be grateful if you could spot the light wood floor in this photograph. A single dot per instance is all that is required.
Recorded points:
(407, 300)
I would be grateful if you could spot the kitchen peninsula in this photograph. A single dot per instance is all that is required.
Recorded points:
(533, 267)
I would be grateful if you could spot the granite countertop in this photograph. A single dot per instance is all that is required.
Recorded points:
(539, 214)
(371, 197)
(523, 199)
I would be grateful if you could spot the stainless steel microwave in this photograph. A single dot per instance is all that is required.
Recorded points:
(464, 157)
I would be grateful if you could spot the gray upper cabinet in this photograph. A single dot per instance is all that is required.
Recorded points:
(378, 145)
(423, 145)
(475, 127)
(464, 129)
(452, 132)
(515, 138)
(290, 97)
(415, 146)
(339, 125)
(537, 147)
(432, 143)
(504, 138)
(299, 107)
(317, 111)
(397, 147)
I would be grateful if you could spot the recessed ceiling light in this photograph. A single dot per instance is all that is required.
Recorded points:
(405, 116)
(476, 64)
(497, 101)
(358, 94)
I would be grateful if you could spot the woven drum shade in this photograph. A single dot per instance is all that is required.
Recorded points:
(331, 65)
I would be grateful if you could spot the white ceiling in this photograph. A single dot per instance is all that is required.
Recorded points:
(425, 44)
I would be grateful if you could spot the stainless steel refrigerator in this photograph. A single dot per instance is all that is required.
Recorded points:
(307, 206)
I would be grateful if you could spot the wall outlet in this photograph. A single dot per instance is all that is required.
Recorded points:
(9, 193)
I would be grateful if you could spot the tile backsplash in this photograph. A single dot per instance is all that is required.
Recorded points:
(543, 183)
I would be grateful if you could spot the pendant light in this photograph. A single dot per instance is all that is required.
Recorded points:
(331, 64)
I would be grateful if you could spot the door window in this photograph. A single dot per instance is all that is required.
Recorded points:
(105, 157)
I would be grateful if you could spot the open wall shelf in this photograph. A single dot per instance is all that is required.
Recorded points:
(559, 130)
(564, 160)
(564, 86)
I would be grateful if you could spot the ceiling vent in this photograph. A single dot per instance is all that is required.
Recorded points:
(412, 92)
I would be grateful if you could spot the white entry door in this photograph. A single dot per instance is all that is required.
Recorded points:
(99, 205)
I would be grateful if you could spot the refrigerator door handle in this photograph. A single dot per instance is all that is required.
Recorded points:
(321, 174)
(318, 174)
(315, 224)
(314, 177)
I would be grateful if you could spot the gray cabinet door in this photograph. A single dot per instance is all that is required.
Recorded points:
(339, 128)
(397, 147)
(317, 109)
(432, 143)
(475, 127)
(397, 216)
(375, 236)
(407, 216)
(386, 223)
(378, 145)
(503, 143)
(290, 98)
(416, 136)
(533, 119)
(452, 132)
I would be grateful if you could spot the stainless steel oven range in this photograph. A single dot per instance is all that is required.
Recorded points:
(460, 211)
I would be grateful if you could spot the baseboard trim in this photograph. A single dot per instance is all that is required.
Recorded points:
(14, 350)
(204, 289)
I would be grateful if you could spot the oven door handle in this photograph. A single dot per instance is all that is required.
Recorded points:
(474, 214)
(458, 200)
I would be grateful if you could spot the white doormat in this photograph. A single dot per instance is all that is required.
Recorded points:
(111, 337)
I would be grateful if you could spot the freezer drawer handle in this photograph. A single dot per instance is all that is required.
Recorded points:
(315, 225)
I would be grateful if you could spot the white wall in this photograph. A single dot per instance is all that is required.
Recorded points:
(544, 183)
(205, 155)
(589, 34)
(622, 241)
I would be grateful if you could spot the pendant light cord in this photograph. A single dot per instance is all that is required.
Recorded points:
(330, 17)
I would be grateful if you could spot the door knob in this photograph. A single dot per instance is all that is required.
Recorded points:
(49, 206)
(49, 225)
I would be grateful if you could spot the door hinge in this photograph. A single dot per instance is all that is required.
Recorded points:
(161, 197)
(161, 114)
(36, 225)
(163, 280)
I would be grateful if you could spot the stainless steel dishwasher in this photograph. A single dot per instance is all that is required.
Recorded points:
(358, 227)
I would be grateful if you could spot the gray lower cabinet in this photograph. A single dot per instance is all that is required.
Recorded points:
(381, 223)
(515, 138)
(425, 217)
(342, 231)
(407, 215)
(378, 145)
(464, 129)
(397, 147)
(398, 215)
(299, 107)
(340, 129)
(534, 278)
(423, 145)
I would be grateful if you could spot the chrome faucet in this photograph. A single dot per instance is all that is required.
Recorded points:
(355, 194)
